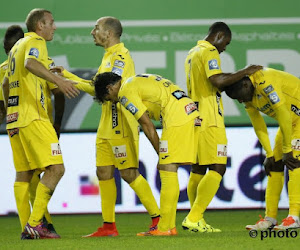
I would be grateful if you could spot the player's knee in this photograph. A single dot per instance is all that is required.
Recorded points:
(219, 168)
(24, 176)
(58, 170)
(197, 169)
(129, 175)
(105, 173)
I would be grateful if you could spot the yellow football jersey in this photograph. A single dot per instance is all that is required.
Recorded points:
(26, 101)
(112, 125)
(3, 68)
(273, 88)
(203, 61)
(155, 94)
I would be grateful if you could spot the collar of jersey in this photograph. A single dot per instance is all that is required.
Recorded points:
(115, 47)
(204, 42)
(33, 34)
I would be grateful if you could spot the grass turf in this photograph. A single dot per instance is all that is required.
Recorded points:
(72, 227)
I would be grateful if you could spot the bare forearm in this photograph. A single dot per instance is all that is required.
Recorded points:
(2, 111)
(5, 87)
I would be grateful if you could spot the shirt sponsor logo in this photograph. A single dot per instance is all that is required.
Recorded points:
(218, 98)
(190, 108)
(117, 71)
(123, 100)
(55, 149)
(133, 109)
(13, 101)
(10, 118)
(268, 89)
(198, 122)
(34, 52)
(42, 99)
(163, 147)
(114, 115)
(13, 85)
(264, 108)
(119, 63)
(119, 151)
(213, 64)
(107, 65)
(178, 94)
(295, 109)
(13, 132)
(274, 98)
(221, 150)
(296, 144)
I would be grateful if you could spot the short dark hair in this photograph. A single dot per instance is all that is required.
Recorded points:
(231, 90)
(33, 17)
(12, 35)
(101, 82)
(114, 24)
(219, 26)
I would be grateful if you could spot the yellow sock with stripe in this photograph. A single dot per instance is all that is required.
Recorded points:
(108, 193)
(273, 191)
(206, 191)
(192, 186)
(294, 192)
(168, 198)
(144, 192)
(42, 198)
(22, 202)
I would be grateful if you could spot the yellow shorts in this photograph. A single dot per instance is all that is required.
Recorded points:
(212, 146)
(177, 144)
(35, 146)
(122, 153)
(295, 143)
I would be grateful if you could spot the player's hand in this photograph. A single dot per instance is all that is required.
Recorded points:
(290, 162)
(68, 88)
(249, 70)
(57, 129)
(268, 164)
(58, 70)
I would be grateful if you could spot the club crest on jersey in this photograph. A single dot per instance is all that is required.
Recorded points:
(55, 149)
(117, 71)
(119, 151)
(213, 64)
(10, 118)
(178, 94)
(119, 63)
(34, 52)
(163, 147)
(221, 150)
(190, 108)
(133, 109)
(13, 132)
(296, 144)
(268, 89)
(274, 98)
(123, 100)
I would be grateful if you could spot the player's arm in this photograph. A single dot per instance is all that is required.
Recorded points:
(5, 88)
(223, 80)
(149, 131)
(285, 123)
(38, 69)
(2, 111)
(59, 108)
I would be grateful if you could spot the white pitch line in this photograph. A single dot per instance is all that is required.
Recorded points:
(173, 22)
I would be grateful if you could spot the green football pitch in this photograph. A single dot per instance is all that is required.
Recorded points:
(72, 227)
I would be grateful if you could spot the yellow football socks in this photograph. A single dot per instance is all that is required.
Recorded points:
(273, 191)
(294, 194)
(144, 192)
(108, 192)
(42, 198)
(168, 199)
(192, 186)
(207, 189)
(22, 201)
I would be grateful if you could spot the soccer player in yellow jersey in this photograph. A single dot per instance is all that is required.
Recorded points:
(33, 139)
(118, 132)
(205, 81)
(276, 94)
(148, 96)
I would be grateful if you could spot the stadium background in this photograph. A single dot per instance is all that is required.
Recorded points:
(158, 34)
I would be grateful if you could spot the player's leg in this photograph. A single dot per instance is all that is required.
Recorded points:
(292, 220)
(23, 176)
(196, 175)
(43, 151)
(108, 190)
(212, 153)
